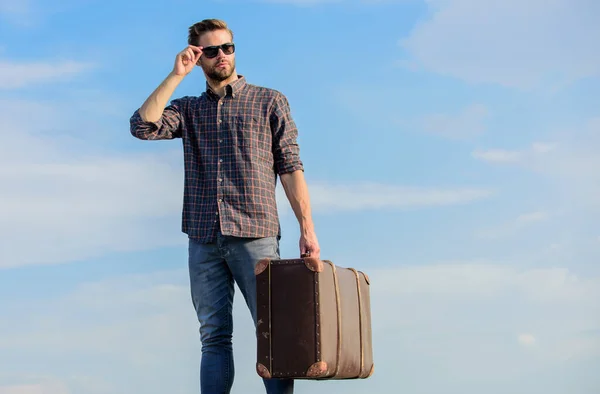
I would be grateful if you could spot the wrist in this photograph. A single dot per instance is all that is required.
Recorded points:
(307, 228)
(175, 77)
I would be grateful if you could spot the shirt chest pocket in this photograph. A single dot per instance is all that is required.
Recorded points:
(252, 132)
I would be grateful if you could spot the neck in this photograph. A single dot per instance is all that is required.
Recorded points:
(219, 86)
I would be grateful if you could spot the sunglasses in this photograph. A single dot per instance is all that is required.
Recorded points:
(213, 51)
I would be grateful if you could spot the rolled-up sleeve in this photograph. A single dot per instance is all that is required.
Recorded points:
(286, 151)
(169, 126)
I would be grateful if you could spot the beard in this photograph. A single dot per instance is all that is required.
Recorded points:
(219, 74)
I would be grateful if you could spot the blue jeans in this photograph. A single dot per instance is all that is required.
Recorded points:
(213, 270)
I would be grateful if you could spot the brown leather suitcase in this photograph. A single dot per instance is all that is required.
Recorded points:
(313, 320)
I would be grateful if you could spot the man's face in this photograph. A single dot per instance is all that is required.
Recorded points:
(222, 66)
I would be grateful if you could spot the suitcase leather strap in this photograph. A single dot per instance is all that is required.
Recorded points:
(339, 316)
(360, 321)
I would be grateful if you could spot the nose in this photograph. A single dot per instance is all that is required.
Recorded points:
(220, 54)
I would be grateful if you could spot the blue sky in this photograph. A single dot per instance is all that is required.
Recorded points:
(451, 153)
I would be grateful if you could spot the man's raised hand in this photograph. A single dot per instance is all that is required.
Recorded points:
(186, 60)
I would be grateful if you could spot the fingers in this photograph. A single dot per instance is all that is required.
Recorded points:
(309, 248)
(197, 52)
(314, 250)
(191, 54)
(195, 48)
(183, 56)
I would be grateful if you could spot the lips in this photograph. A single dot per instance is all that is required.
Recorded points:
(221, 65)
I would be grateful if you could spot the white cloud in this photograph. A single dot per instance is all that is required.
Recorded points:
(77, 210)
(302, 3)
(532, 217)
(530, 157)
(569, 161)
(526, 339)
(334, 198)
(14, 75)
(139, 333)
(20, 12)
(530, 44)
(515, 226)
(469, 123)
(74, 198)
(539, 147)
(77, 203)
(14, 7)
(307, 3)
(38, 388)
(497, 155)
(484, 279)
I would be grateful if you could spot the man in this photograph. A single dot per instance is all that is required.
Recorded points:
(237, 138)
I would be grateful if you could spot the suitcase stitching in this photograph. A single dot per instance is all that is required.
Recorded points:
(318, 319)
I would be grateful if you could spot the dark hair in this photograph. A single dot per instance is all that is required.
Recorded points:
(199, 28)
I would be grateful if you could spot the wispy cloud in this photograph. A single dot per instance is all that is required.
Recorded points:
(529, 156)
(305, 3)
(526, 339)
(14, 75)
(360, 196)
(301, 3)
(77, 201)
(515, 226)
(570, 160)
(558, 183)
(48, 387)
(532, 217)
(493, 42)
(78, 209)
(20, 12)
(497, 155)
(468, 123)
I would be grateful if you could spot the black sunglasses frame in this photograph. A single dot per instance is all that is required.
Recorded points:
(212, 51)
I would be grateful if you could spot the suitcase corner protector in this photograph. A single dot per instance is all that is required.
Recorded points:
(261, 266)
(371, 371)
(313, 264)
(317, 370)
(263, 371)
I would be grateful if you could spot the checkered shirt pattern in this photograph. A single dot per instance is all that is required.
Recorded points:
(234, 148)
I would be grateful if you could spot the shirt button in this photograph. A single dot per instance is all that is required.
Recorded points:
(220, 160)
(220, 121)
(220, 141)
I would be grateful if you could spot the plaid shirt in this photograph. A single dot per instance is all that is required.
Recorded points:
(234, 147)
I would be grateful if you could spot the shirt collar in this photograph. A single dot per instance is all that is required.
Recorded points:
(232, 88)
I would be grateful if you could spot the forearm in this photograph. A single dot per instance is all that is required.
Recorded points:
(153, 107)
(296, 191)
